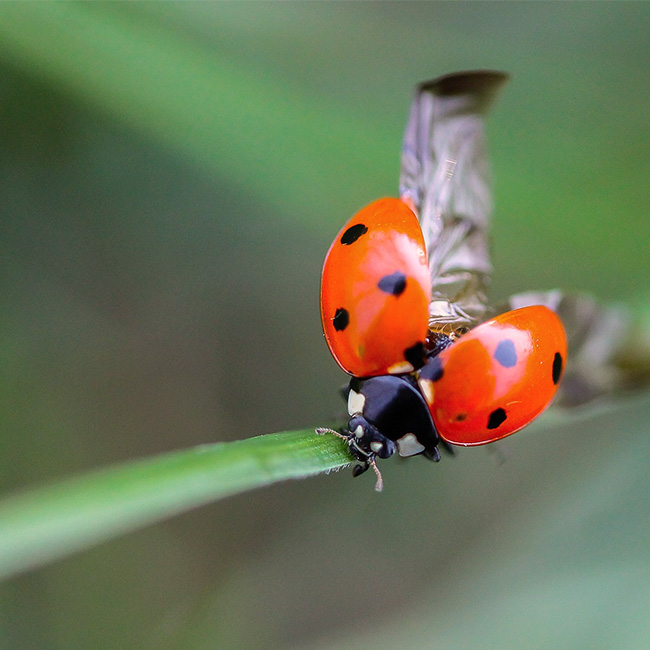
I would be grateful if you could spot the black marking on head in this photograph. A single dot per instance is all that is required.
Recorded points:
(341, 319)
(496, 419)
(506, 353)
(433, 371)
(415, 354)
(394, 284)
(353, 233)
(558, 364)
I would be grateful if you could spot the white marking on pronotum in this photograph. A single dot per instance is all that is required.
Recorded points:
(356, 402)
(408, 445)
(358, 432)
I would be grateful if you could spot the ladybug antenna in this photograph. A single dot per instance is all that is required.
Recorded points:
(379, 485)
(321, 431)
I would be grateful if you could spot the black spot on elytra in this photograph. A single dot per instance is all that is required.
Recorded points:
(353, 233)
(558, 363)
(394, 284)
(415, 354)
(341, 319)
(433, 371)
(461, 417)
(496, 419)
(506, 353)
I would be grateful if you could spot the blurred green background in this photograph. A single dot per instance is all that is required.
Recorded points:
(171, 177)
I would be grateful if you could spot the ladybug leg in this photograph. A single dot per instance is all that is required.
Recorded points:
(432, 454)
(366, 460)
(358, 470)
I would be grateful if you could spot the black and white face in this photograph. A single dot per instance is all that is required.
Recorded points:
(367, 440)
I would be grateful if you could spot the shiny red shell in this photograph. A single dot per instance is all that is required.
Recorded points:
(375, 291)
(496, 378)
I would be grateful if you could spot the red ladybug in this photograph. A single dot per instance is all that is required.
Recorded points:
(400, 299)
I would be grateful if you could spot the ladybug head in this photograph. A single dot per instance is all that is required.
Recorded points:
(366, 441)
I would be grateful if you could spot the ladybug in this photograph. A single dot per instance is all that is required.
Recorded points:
(403, 303)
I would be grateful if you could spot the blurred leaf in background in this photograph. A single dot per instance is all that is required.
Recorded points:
(171, 177)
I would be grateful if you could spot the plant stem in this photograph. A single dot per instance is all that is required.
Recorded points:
(53, 521)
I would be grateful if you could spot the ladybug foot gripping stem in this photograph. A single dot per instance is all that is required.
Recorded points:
(367, 461)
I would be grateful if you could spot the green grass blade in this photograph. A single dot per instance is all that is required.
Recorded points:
(54, 521)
